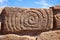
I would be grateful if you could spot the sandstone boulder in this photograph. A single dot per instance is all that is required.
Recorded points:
(17, 19)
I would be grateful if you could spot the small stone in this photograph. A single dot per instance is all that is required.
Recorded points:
(16, 37)
(51, 35)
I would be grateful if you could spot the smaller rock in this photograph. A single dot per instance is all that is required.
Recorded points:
(16, 37)
(51, 35)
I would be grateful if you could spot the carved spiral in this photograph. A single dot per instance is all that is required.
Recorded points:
(31, 19)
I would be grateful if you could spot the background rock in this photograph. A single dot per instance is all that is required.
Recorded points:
(56, 15)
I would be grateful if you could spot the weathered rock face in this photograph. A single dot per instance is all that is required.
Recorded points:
(51, 35)
(16, 37)
(17, 19)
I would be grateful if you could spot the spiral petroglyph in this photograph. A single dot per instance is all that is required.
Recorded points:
(16, 19)
(31, 19)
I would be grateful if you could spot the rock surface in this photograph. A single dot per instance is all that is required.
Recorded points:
(29, 23)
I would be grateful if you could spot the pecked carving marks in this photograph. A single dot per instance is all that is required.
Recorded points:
(37, 19)
(16, 19)
(31, 19)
